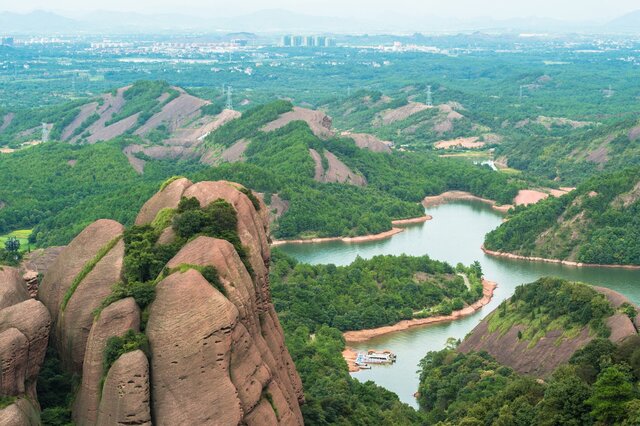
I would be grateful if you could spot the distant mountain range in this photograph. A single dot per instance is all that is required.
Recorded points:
(279, 21)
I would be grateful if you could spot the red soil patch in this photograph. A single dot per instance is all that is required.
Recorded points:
(370, 142)
(337, 171)
(470, 142)
(85, 112)
(174, 114)
(529, 196)
(318, 121)
(402, 113)
(6, 121)
(235, 152)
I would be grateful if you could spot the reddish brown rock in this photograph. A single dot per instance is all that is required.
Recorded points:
(114, 320)
(189, 330)
(125, 395)
(75, 321)
(20, 413)
(253, 228)
(72, 259)
(14, 357)
(169, 197)
(32, 319)
(12, 288)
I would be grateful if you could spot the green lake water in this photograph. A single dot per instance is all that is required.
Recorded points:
(454, 235)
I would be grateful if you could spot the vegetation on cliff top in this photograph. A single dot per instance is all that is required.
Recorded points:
(549, 304)
(597, 223)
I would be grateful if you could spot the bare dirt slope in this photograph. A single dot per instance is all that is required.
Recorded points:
(174, 114)
(337, 172)
(550, 351)
(470, 142)
(6, 121)
(370, 142)
(318, 121)
(85, 112)
(399, 114)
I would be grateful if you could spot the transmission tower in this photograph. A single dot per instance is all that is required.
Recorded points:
(608, 92)
(229, 100)
(45, 132)
(429, 100)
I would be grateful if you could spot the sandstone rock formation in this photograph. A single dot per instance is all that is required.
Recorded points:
(216, 350)
(72, 308)
(114, 320)
(24, 331)
(125, 395)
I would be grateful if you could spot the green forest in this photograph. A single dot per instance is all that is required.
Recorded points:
(369, 293)
(316, 303)
(598, 223)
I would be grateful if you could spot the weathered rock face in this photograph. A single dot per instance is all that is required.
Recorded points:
(550, 351)
(73, 319)
(114, 320)
(125, 396)
(217, 354)
(12, 288)
(254, 363)
(169, 197)
(31, 319)
(72, 259)
(24, 331)
(20, 413)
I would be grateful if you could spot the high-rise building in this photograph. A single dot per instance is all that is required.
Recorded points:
(309, 41)
(286, 41)
(321, 41)
(330, 42)
(297, 41)
(7, 41)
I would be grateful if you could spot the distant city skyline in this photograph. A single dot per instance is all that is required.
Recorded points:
(574, 10)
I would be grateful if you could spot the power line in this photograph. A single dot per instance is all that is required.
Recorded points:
(429, 100)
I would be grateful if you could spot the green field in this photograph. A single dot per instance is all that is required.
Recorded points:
(22, 236)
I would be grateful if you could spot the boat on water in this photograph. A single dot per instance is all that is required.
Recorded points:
(374, 357)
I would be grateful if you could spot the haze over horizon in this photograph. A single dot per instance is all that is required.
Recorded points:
(585, 10)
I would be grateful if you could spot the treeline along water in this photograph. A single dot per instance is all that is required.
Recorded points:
(454, 235)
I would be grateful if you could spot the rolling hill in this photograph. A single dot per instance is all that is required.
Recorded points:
(318, 182)
(597, 223)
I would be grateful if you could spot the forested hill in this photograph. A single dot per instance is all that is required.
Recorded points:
(317, 183)
(587, 360)
(570, 150)
(597, 223)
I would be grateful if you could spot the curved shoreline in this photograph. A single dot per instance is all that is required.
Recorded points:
(358, 336)
(449, 196)
(507, 255)
(361, 238)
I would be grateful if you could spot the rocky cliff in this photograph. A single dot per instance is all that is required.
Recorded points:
(24, 330)
(199, 341)
(541, 355)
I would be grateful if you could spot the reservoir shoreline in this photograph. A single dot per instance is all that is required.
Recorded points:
(359, 336)
(508, 255)
(362, 238)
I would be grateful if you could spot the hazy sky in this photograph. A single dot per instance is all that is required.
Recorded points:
(562, 9)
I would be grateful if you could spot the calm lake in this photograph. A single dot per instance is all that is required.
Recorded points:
(454, 235)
